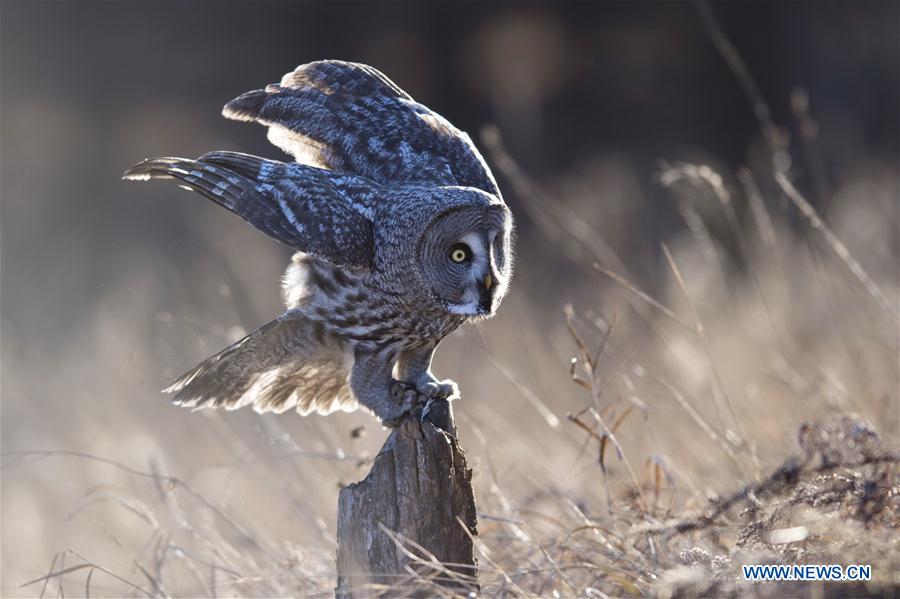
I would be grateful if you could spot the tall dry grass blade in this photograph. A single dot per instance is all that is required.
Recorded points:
(103, 494)
(606, 337)
(644, 296)
(590, 360)
(847, 337)
(660, 472)
(171, 480)
(551, 221)
(85, 566)
(608, 435)
(486, 556)
(701, 332)
(561, 218)
(812, 153)
(573, 366)
(62, 588)
(426, 559)
(601, 390)
(587, 364)
(841, 250)
(761, 216)
(542, 408)
(156, 582)
(87, 584)
(601, 440)
(642, 372)
(709, 248)
(702, 174)
(771, 133)
(642, 499)
(47, 579)
(555, 567)
(590, 366)
(695, 416)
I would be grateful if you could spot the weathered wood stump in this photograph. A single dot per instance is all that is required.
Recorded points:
(409, 523)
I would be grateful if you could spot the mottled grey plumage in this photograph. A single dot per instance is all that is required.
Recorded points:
(401, 233)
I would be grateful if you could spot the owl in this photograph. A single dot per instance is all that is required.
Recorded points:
(400, 232)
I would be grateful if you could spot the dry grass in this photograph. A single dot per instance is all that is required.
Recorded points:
(726, 397)
(637, 516)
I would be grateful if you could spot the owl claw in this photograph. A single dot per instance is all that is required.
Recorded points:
(415, 400)
(403, 392)
(407, 400)
(432, 390)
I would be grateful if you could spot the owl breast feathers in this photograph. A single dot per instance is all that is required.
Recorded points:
(400, 233)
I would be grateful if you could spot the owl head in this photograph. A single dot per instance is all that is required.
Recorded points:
(464, 255)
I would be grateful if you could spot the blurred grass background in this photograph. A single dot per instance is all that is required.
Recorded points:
(109, 290)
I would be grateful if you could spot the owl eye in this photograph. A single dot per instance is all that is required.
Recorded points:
(460, 253)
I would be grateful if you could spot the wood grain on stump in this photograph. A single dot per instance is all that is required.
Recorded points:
(407, 520)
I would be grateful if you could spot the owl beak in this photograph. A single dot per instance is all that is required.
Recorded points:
(487, 297)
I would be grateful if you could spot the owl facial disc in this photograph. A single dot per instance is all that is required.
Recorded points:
(464, 259)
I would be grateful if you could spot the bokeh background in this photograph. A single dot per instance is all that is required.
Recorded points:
(111, 289)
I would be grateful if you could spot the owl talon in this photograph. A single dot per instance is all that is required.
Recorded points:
(439, 389)
(408, 401)
(403, 392)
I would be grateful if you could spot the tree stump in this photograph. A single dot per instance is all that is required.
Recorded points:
(409, 524)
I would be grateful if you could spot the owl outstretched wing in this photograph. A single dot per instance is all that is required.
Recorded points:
(313, 210)
(288, 363)
(351, 118)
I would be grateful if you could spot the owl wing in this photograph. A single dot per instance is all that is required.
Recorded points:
(290, 362)
(351, 118)
(306, 208)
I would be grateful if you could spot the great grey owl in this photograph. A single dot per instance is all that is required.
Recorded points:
(401, 231)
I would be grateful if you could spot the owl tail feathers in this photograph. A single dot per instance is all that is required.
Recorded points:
(288, 363)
